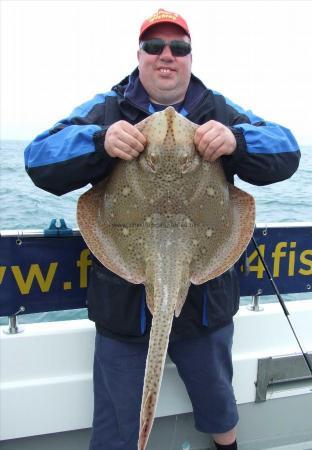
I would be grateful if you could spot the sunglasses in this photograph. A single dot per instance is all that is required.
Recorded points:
(156, 46)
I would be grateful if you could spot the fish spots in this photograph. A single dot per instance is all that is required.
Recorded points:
(211, 191)
(209, 233)
(126, 191)
(125, 231)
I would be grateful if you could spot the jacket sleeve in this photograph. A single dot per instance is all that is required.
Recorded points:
(71, 154)
(266, 152)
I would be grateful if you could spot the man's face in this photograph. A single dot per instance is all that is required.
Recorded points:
(165, 77)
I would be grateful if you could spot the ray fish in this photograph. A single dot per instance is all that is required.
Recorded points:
(166, 219)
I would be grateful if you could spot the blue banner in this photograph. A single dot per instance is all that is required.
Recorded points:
(287, 252)
(43, 273)
(51, 273)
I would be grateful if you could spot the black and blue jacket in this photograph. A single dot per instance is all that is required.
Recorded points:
(71, 155)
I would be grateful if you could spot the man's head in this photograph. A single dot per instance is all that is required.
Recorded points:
(166, 75)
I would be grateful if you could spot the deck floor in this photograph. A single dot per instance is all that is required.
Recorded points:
(303, 446)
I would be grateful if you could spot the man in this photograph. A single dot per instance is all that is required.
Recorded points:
(84, 148)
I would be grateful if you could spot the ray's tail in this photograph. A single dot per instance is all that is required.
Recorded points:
(155, 362)
(168, 297)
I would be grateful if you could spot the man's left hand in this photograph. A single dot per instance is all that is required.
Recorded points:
(213, 139)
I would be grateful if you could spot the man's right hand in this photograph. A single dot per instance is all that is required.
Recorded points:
(123, 140)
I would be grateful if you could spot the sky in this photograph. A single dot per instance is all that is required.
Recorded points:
(55, 55)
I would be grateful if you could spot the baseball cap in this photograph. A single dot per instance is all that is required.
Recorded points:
(163, 16)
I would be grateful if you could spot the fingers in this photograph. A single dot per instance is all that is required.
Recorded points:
(123, 140)
(213, 139)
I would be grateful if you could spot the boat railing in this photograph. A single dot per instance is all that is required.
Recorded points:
(47, 270)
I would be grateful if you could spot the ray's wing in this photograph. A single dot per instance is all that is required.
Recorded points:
(224, 218)
(111, 234)
(111, 215)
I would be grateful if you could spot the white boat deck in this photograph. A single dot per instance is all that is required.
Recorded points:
(46, 383)
(304, 446)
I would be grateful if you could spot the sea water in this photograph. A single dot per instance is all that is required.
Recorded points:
(24, 206)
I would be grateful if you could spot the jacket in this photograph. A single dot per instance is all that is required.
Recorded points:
(71, 155)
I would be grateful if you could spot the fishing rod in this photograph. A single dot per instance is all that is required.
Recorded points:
(282, 303)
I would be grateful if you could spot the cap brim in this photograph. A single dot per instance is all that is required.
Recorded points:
(161, 22)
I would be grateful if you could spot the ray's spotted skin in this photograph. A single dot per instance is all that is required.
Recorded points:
(165, 219)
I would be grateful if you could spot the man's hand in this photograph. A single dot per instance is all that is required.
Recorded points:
(213, 139)
(124, 141)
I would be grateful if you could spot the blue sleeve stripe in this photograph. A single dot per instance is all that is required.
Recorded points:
(71, 142)
(251, 116)
(84, 109)
(268, 139)
(68, 143)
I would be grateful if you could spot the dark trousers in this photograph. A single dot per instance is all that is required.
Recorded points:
(204, 364)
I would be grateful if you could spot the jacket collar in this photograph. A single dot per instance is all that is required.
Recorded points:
(132, 91)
